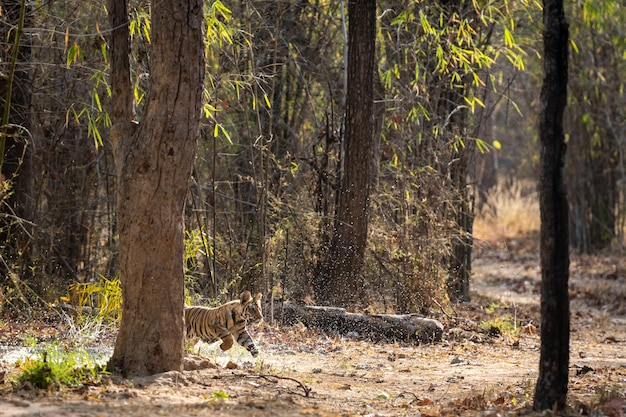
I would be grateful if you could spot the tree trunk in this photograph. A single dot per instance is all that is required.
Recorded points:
(339, 279)
(15, 94)
(551, 388)
(461, 212)
(154, 162)
(460, 268)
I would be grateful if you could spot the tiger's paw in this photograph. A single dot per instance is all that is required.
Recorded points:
(227, 343)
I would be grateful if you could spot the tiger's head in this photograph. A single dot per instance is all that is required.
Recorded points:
(251, 308)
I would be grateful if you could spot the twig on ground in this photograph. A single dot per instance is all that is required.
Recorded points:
(415, 397)
(306, 389)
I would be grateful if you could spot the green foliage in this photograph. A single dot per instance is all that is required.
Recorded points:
(222, 35)
(466, 45)
(93, 113)
(29, 341)
(97, 118)
(58, 367)
(492, 307)
(195, 243)
(140, 24)
(383, 396)
(219, 395)
(74, 54)
(102, 297)
(218, 20)
(503, 324)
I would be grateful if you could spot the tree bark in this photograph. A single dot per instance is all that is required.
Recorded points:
(460, 268)
(154, 162)
(15, 94)
(376, 327)
(551, 388)
(461, 212)
(339, 279)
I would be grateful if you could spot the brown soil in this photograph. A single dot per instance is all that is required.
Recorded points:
(485, 366)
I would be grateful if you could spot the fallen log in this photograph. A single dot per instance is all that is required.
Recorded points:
(376, 327)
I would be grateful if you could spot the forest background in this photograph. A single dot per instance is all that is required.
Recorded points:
(457, 94)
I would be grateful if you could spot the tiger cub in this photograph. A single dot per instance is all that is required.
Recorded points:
(226, 322)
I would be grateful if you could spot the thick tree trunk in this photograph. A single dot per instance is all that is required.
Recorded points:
(154, 163)
(339, 279)
(551, 388)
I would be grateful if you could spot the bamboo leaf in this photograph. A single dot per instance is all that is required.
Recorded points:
(96, 98)
(209, 110)
(73, 53)
(226, 134)
(482, 146)
(508, 38)
(426, 27)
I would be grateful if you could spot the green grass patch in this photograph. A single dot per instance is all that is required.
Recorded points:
(504, 325)
(56, 367)
(219, 395)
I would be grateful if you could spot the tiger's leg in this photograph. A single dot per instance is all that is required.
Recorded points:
(227, 342)
(246, 341)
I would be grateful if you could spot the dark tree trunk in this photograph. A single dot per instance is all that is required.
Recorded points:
(15, 94)
(339, 279)
(551, 388)
(461, 259)
(154, 161)
(452, 104)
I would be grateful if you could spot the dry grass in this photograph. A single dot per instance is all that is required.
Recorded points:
(511, 212)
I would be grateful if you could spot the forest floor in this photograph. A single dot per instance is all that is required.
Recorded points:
(485, 366)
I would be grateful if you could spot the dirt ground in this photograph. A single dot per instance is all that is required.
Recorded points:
(486, 365)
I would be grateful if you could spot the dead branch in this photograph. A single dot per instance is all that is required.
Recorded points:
(377, 327)
(306, 389)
